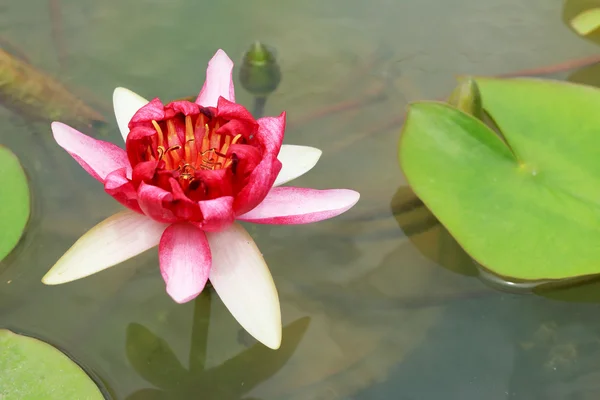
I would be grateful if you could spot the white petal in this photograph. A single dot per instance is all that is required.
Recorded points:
(114, 240)
(296, 160)
(244, 284)
(126, 103)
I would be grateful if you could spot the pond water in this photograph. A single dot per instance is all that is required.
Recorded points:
(379, 303)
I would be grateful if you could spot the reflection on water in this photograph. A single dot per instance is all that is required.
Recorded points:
(377, 303)
(153, 360)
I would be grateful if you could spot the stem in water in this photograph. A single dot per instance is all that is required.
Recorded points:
(258, 108)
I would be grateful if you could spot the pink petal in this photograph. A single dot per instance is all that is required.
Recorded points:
(97, 157)
(185, 260)
(153, 110)
(271, 131)
(121, 189)
(112, 241)
(243, 281)
(217, 213)
(291, 205)
(218, 81)
(181, 206)
(151, 200)
(184, 107)
(144, 171)
(230, 110)
(259, 183)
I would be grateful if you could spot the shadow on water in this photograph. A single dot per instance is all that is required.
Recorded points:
(154, 360)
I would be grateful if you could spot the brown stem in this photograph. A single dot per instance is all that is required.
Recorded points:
(397, 121)
(360, 73)
(555, 68)
(373, 97)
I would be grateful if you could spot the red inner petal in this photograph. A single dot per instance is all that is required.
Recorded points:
(195, 153)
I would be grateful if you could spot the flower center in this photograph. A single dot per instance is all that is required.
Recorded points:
(202, 148)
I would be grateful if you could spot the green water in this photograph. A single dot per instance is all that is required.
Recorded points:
(376, 306)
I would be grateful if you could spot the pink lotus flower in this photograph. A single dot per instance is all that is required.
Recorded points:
(189, 171)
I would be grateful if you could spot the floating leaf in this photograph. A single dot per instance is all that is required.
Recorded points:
(528, 212)
(14, 201)
(32, 369)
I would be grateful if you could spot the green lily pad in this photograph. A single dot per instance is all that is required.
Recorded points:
(31, 369)
(583, 17)
(14, 201)
(529, 210)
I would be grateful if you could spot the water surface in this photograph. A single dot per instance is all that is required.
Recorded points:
(376, 306)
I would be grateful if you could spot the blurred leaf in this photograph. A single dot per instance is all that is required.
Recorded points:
(529, 215)
(14, 201)
(36, 95)
(581, 16)
(586, 22)
(32, 369)
(152, 357)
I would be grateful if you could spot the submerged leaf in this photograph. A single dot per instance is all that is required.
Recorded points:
(14, 201)
(32, 369)
(531, 211)
(152, 357)
(36, 95)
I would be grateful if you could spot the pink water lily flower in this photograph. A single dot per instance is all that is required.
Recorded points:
(189, 171)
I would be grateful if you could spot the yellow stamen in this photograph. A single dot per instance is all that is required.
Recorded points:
(203, 148)
(149, 155)
(172, 133)
(223, 153)
(159, 133)
(236, 138)
(189, 129)
(206, 139)
(215, 138)
(189, 140)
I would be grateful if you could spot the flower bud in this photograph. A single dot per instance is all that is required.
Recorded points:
(467, 97)
(260, 74)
